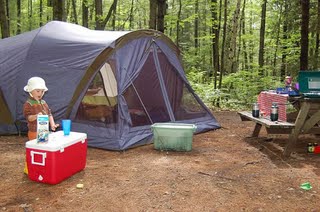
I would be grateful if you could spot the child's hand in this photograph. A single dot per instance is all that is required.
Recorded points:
(54, 127)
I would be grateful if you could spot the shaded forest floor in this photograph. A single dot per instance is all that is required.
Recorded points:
(225, 171)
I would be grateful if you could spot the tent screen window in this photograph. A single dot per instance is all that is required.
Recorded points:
(100, 101)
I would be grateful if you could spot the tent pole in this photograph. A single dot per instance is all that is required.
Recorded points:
(144, 107)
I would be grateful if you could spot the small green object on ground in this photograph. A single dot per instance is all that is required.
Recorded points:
(306, 186)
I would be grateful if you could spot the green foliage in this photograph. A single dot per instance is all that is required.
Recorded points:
(239, 90)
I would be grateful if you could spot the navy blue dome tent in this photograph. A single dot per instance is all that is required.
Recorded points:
(112, 85)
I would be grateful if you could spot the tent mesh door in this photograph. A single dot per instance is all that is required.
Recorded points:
(100, 102)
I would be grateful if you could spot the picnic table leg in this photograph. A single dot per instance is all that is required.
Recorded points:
(256, 130)
(299, 123)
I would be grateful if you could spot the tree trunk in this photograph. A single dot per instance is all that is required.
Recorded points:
(275, 56)
(8, 14)
(283, 69)
(30, 11)
(69, 2)
(178, 24)
(244, 45)
(111, 10)
(114, 16)
(18, 17)
(92, 14)
(131, 15)
(239, 46)
(215, 41)
(219, 62)
(40, 13)
(240, 39)
(161, 14)
(224, 36)
(74, 9)
(85, 13)
(59, 10)
(196, 26)
(50, 3)
(153, 14)
(251, 44)
(305, 5)
(316, 51)
(262, 37)
(3, 20)
(98, 17)
(233, 42)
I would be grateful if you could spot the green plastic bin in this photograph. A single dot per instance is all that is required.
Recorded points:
(173, 136)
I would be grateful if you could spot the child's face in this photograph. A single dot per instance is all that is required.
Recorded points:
(37, 93)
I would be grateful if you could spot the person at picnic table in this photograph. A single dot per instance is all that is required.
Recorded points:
(34, 106)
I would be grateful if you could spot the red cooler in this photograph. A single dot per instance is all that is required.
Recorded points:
(59, 158)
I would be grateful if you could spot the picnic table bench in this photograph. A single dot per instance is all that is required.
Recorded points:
(272, 127)
(307, 122)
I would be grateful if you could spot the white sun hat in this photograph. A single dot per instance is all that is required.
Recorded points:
(35, 83)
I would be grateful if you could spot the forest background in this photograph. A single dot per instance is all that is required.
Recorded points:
(231, 49)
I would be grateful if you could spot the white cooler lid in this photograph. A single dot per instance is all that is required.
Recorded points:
(57, 141)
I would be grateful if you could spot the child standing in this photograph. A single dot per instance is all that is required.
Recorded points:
(35, 106)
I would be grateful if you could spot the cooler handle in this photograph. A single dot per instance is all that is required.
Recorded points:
(44, 155)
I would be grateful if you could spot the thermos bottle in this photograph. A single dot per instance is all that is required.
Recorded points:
(255, 110)
(274, 112)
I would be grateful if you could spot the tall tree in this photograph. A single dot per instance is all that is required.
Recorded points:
(98, 9)
(114, 15)
(244, 44)
(112, 10)
(74, 11)
(5, 32)
(283, 68)
(262, 36)
(224, 37)
(316, 51)
(18, 16)
(251, 44)
(153, 14)
(161, 13)
(215, 40)
(85, 13)
(219, 27)
(196, 27)
(30, 12)
(278, 29)
(231, 64)
(305, 5)
(178, 24)
(40, 13)
(59, 10)
(131, 15)
(8, 13)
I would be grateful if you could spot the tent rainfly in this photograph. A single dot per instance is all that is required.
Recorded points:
(113, 85)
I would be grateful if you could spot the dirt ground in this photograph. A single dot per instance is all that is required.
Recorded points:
(225, 171)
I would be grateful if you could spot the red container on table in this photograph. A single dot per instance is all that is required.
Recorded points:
(59, 158)
(316, 149)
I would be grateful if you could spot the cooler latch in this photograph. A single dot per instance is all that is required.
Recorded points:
(43, 158)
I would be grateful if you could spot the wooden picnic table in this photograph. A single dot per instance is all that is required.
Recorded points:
(306, 122)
